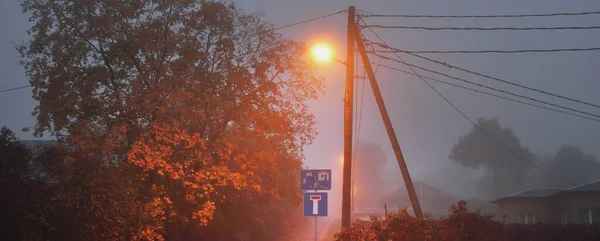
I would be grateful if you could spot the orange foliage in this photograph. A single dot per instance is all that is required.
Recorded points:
(194, 100)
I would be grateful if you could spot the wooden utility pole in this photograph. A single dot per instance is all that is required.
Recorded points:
(348, 99)
(388, 124)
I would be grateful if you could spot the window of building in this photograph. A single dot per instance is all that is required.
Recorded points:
(563, 217)
(505, 218)
(526, 218)
(589, 215)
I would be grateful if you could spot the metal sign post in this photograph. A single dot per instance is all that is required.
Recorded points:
(315, 208)
(315, 228)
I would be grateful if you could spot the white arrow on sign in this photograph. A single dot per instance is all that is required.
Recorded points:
(315, 199)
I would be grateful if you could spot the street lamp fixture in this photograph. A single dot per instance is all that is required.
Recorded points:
(323, 53)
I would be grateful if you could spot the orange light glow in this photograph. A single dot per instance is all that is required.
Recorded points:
(322, 52)
(341, 159)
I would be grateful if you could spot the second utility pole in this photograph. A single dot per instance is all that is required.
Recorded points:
(348, 99)
(388, 124)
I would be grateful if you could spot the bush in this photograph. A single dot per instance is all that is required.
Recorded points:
(462, 225)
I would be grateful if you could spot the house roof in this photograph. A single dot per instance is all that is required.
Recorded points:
(431, 199)
(541, 193)
(531, 193)
(588, 187)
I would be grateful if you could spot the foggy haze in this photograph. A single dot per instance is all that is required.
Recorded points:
(426, 126)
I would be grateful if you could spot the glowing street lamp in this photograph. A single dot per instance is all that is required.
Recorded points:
(323, 53)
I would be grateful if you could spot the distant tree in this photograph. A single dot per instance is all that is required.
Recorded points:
(50, 194)
(483, 206)
(369, 176)
(195, 101)
(14, 165)
(95, 201)
(23, 195)
(573, 165)
(506, 173)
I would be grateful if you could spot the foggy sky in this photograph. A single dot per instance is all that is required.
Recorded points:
(425, 125)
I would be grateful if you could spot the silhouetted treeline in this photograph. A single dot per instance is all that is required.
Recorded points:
(507, 168)
(47, 194)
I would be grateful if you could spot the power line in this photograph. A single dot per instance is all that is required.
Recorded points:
(305, 21)
(484, 29)
(472, 122)
(490, 136)
(488, 87)
(490, 77)
(492, 51)
(481, 16)
(360, 115)
(491, 94)
(355, 113)
(16, 88)
(362, 94)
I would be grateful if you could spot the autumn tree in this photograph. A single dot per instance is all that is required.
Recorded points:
(505, 171)
(199, 99)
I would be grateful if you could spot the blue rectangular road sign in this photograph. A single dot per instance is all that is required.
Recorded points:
(315, 204)
(315, 179)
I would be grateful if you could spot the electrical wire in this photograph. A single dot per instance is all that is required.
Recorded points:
(362, 94)
(303, 21)
(355, 100)
(492, 51)
(489, 77)
(484, 29)
(488, 87)
(472, 122)
(16, 88)
(481, 16)
(492, 137)
(360, 115)
(491, 94)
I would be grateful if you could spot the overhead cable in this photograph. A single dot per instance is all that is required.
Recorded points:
(489, 87)
(484, 28)
(16, 88)
(490, 77)
(475, 124)
(490, 94)
(481, 16)
(492, 51)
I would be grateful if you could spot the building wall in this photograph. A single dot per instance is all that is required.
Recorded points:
(572, 202)
(548, 210)
(512, 207)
